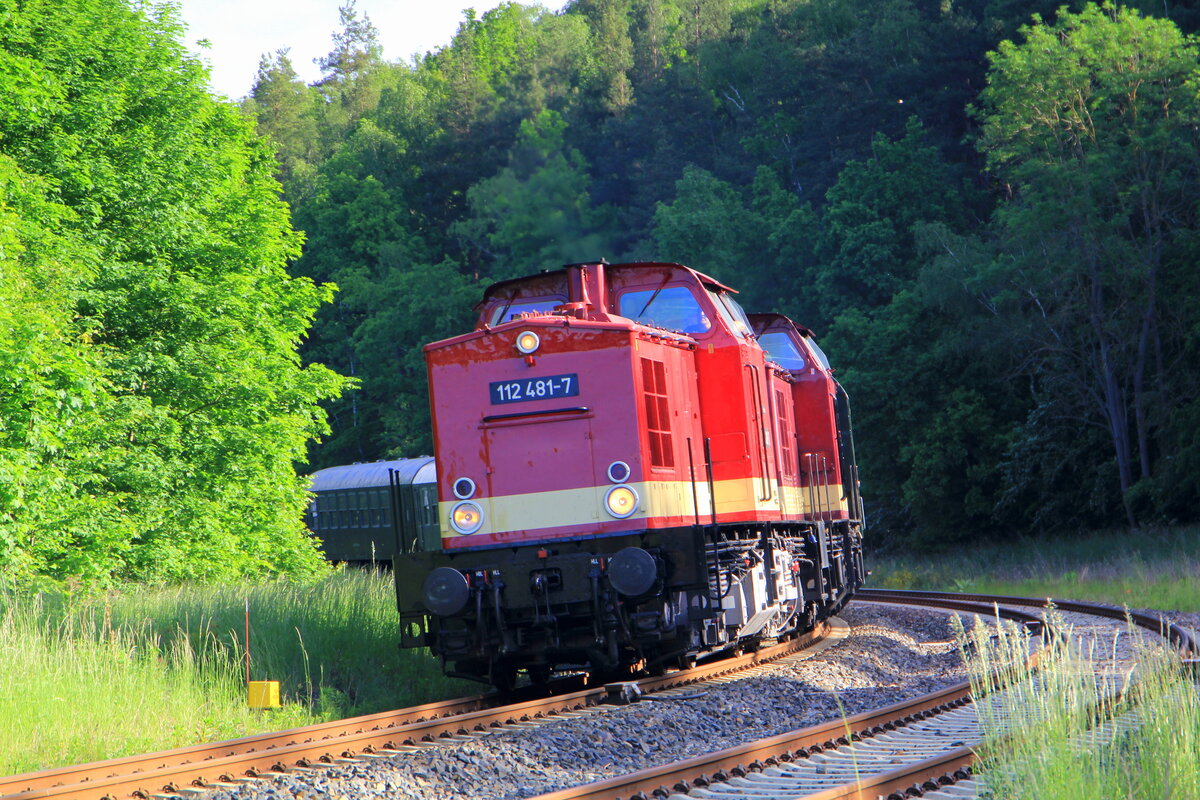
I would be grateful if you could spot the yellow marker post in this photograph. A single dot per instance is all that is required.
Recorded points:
(259, 694)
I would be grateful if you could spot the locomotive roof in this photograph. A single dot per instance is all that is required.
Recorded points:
(372, 474)
(707, 280)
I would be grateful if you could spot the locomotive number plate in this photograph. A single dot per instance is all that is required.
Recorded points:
(534, 389)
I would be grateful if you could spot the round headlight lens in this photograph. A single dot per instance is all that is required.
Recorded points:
(466, 517)
(618, 472)
(621, 501)
(527, 342)
(464, 488)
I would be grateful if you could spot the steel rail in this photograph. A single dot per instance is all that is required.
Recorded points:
(908, 781)
(220, 762)
(785, 747)
(1176, 634)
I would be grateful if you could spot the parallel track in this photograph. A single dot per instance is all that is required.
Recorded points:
(906, 750)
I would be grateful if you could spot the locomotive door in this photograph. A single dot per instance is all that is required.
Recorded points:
(538, 474)
(786, 463)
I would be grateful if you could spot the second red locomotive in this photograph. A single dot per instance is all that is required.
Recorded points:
(631, 472)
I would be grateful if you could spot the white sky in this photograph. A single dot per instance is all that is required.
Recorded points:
(241, 31)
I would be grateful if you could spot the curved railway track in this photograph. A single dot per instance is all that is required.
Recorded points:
(902, 748)
(911, 749)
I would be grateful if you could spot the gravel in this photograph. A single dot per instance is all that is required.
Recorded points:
(892, 653)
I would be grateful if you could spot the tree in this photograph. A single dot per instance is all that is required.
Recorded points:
(354, 75)
(287, 113)
(364, 235)
(183, 301)
(609, 21)
(536, 212)
(872, 214)
(1091, 123)
(707, 224)
(53, 507)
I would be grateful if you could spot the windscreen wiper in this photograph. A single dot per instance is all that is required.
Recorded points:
(655, 295)
(507, 306)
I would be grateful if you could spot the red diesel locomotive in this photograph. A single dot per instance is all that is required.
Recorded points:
(631, 472)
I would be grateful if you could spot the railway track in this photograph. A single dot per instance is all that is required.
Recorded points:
(887, 741)
(923, 747)
(227, 763)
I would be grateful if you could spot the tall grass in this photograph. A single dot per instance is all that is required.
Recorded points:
(1152, 569)
(87, 678)
(1046, 735)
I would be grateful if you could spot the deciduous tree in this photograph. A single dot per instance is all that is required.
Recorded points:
(183, 301)
(1092, 123)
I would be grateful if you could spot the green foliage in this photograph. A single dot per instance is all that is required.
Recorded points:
(536, 212)
(52, 402)
(707, 224)
(873, 213)
(832, 159)
(161, 326)
(288, 113)
(1092, 122)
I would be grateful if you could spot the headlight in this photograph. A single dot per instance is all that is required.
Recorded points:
(445, 591)
(464, 488)
(527, 342)
(618, 472)
(621, 501)
(466, 517)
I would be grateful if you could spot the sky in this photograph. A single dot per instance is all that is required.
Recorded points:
(241, 31)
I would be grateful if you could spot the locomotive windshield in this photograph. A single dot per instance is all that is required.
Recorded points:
(674, 308)
(511, 310)
(782, 350)
(818, 353)
(735, 317)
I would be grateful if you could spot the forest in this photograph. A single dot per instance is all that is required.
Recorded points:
(986, 210)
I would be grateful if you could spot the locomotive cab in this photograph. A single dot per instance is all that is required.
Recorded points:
(825, 441)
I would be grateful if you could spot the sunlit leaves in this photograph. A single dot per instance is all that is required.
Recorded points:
(157, 325)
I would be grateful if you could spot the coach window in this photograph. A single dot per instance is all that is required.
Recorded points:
(674, 308)
(782, 350)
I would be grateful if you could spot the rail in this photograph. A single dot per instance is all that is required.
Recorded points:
(909, 780)
(228, 761)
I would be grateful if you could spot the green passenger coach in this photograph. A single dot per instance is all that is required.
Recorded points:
(355, 510)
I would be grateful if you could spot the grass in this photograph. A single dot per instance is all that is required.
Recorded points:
(84, 678)
(1153, 569)
(1055, 750)
(142, 669)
